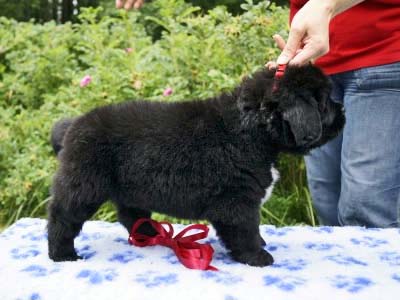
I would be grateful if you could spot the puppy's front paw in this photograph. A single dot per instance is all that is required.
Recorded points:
(259, 258)
(65, 257)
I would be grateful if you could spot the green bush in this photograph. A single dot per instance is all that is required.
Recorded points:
(197, 55)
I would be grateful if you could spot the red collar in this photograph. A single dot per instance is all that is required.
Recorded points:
(278, 75)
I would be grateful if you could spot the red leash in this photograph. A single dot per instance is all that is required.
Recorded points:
(191, 254)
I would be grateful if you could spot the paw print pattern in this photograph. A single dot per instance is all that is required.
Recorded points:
(320, 246)
(125, 257)
(351, 284)
(224, 258)
(25, 252)
(25, 223)
(369, 229)
(97, 277)
(39, 271)
(34, 296)
(396, 277)
(9, 232)
(285, 283)
(35, 236)
(291, 265)
(272, 231)
(85, 252)
(83, 237)
(392, 258)
(368, 241)
(271, 247)
(345, 260)
(171, 258)
(120, 240)
(153, 279)
(211, 240)
(323, 229)
(221, 277)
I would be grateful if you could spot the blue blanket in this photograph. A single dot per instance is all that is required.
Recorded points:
(310, 263)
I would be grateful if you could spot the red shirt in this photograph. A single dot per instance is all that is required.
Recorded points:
(365, 35)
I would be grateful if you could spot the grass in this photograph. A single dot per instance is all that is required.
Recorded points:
(293, 209)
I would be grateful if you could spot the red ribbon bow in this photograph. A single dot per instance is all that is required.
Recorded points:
(278, 75)
(190, 253)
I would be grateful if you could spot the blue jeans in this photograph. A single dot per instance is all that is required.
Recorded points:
(355, 179)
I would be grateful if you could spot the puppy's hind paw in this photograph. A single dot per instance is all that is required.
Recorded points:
(147, 229)
(259, 258)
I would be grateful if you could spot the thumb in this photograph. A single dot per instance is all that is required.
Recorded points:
(291, 47)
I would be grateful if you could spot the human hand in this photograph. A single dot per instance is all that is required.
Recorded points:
(280, 42)
(309, 34)
(128, 4)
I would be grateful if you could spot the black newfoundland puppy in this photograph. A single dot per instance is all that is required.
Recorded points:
(210, 159)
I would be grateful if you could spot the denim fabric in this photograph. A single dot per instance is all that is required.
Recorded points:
(355, 179)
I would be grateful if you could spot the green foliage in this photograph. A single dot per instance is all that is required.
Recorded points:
(18, 9)
(233, 6)
(66, 10)
(44, 10)
(197, 55)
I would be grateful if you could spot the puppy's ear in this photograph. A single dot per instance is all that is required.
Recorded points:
(303, 92)
(304, 133)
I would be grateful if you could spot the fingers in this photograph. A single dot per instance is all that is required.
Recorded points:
(128, 4)
(309, 53)
(292, 45)
(138, 4)
(271, 65)
(280, 42)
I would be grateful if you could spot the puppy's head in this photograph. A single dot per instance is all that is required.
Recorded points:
(299, 115)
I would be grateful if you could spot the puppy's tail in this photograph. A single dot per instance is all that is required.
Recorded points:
(58, 133)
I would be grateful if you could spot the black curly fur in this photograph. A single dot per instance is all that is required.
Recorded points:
(58, 133)
(207, 159)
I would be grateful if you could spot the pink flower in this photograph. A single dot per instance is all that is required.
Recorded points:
(167, 92)
(128, 50)
(85, 81)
